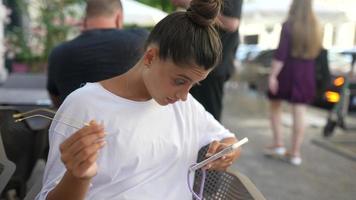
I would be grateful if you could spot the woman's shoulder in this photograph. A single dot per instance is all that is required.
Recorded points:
(85, 93)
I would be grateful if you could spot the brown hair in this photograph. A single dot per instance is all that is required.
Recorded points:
(96, 8)
(189, 37)
(306, 33)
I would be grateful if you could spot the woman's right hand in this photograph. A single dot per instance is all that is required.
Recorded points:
(273, 84)
(79, 152)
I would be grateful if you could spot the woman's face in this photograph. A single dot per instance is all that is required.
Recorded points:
(167, 82)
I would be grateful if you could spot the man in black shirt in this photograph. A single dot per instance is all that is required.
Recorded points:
(103, 50)
(210, 92)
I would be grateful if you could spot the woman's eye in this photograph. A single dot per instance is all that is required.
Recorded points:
(196, 84)
(179, 81)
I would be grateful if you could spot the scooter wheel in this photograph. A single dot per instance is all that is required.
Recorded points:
(329, 128)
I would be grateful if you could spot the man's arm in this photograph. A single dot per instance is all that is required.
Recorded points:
(228, 24)
(229, 18)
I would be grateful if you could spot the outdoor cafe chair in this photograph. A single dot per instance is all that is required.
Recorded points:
(7, 168)
(225, 185)
(23, 147)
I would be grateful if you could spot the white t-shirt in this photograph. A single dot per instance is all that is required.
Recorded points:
(149, 147)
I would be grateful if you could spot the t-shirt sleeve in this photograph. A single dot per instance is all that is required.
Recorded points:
(209, 129)
(55, 169)
(68, 113)
(232, 8)
(282, 51)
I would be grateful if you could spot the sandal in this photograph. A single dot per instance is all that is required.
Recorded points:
(294, 160)
(275, 151)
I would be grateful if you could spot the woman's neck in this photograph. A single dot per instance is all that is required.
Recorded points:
(129, 85)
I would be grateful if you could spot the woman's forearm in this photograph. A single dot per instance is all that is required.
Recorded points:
(70, 188)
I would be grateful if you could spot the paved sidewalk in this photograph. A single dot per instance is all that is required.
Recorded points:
(323, 175)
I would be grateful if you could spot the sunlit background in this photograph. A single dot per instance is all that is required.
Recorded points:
(34, 27)
(263, 19)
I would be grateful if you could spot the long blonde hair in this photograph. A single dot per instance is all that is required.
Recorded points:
(305, 30)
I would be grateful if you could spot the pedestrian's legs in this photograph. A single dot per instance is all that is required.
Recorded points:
(298, 111)
(275, 117)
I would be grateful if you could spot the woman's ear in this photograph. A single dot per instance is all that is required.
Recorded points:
(150, 54)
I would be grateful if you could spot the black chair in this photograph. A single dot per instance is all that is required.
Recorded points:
(23, 147)
(7, 168)
(225, 185)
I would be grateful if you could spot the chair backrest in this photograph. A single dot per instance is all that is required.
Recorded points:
(7, 168)
(34, 190)
(225, 185)
(20, 144)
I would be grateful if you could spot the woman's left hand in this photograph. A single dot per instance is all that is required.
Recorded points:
(226, 161)
(273, 85)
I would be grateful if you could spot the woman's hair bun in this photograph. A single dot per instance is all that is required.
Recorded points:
(204, 12)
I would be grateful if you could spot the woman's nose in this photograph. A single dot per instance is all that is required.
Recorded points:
(183, 94)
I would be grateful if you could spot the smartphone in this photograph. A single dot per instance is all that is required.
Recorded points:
(219, 154)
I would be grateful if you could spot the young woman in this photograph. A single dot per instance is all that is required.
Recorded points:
(292, 77)
(147, 129)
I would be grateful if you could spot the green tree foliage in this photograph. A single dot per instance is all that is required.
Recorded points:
(164, 5)
(46, 24)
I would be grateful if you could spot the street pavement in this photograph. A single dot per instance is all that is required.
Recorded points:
(323, 175)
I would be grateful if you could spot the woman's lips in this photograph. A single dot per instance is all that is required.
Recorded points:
(170, 100)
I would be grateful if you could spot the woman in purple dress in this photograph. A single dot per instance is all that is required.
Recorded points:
(292, 76)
